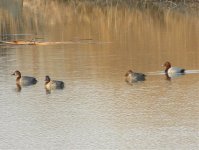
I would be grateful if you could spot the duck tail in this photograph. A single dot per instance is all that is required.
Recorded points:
(182, 71)
(34, 81)
(62, 84)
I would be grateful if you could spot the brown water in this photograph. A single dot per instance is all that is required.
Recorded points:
(97, 109)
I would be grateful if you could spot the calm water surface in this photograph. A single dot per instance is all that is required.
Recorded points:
(97, 109)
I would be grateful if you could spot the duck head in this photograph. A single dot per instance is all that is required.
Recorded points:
(47, 79)
(129, 72)
(17, 73)
(167, 64)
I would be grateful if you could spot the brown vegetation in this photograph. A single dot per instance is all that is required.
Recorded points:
(40, 16)
(160, 4)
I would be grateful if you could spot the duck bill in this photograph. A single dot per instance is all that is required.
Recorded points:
(13, 74)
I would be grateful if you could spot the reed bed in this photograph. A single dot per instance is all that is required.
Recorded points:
(183, 5)
(39, 17)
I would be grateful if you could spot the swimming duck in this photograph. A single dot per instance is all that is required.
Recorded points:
(134, 77)
(172, 70)
(53, 84)
(24, 80)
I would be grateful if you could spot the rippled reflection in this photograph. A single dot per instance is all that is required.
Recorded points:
(18, 88)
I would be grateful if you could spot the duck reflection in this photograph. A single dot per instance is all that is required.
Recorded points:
(174, 75)
(48, 91)
(18, 88)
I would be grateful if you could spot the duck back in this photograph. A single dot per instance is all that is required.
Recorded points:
(53, 84)
(135, 77)
(139, 76)
(175, 70)
(59, 84)
(26, 80)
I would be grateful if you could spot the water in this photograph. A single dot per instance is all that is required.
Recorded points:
(97, 109)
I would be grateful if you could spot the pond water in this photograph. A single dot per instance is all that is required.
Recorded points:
(97, 109)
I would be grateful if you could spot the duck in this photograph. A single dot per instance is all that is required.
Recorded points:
(134, 76)
(173, 70)
(53, 84)
(24, 80)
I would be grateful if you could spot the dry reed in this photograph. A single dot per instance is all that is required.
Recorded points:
(39, 17)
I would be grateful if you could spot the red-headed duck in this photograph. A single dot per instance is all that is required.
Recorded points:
(172, 70)
(53, 84)
(134, 76)
(24, 80)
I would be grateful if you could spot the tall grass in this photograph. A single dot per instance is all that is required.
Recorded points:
(42, 16)
(161, 4)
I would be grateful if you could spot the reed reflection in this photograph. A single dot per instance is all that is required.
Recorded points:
(173, 76)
